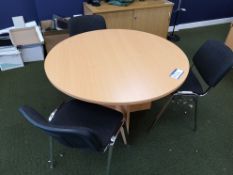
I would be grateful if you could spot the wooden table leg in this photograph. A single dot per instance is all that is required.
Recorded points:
(123, 135)
(124, 110)
(127, 109)
(127, 117)
(126, 113)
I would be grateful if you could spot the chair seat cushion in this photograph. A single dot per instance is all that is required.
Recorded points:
(192, 84)
(104, 122)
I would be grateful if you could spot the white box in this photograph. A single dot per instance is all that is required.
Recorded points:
(30, 43)
(10, 58)
(18, 21)
(32, 52)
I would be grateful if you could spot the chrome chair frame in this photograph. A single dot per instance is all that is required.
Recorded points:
(191, 94)
(213, 60)
(109, 147)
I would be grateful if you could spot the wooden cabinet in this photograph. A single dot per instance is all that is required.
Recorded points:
(152, 16)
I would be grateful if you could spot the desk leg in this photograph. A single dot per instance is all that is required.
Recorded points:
(123, 135)
(133, 108)
(127, 117)
(126, 109)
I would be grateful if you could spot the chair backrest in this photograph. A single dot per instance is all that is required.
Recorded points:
(79, 137)
(86, 23)
(213, 61)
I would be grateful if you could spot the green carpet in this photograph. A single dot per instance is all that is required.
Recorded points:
(172, 148)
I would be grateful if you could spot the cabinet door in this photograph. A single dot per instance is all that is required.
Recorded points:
(119, 20)
(52, 40)
(153, 20)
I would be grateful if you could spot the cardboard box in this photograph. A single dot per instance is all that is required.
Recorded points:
(10, 58)
(52, 37)
(229, 39)
(29, 42)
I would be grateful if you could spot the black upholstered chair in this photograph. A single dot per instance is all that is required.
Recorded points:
(86, 23)
(213, 61)
(79, 124)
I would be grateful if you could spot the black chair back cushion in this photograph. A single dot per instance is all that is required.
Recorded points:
(78, 137)
(213, 60)
(86, 23)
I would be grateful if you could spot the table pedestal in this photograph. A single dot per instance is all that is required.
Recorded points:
(127, 109)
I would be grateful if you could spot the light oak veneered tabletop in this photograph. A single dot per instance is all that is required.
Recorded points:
(116, 67)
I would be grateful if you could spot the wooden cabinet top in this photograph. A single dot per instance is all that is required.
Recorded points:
(105, 7)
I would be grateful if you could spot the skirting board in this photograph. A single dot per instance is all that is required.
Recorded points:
(201, 24)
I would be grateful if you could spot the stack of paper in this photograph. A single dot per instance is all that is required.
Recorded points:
(8, 50)
(10, 58)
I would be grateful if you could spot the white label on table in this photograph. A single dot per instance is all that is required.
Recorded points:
(176, 74)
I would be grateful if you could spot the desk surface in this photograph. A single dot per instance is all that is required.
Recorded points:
(116, 67)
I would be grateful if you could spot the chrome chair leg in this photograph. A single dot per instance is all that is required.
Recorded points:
(109, 158)
(195, 106)
(160, 113)
(51, 161)
(195, 99)
(195, 113)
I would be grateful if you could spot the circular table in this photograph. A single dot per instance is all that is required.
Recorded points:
(116, 67)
